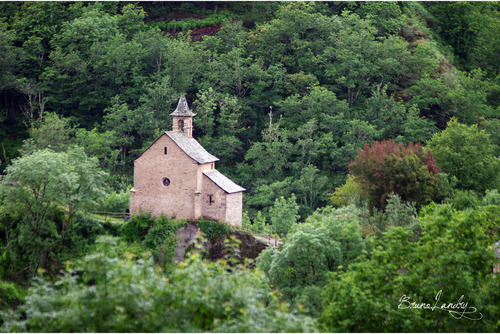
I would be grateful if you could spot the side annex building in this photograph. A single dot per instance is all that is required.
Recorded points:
(176, 176)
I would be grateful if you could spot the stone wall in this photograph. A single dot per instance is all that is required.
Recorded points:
(214, 207)
(151, 195)
(234, 209)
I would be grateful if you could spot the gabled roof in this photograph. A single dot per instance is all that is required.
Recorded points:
(223, 182)
(191, 147)
(182, 108)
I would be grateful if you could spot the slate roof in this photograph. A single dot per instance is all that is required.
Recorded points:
(191, 147)
(182, 108)
(223, 182)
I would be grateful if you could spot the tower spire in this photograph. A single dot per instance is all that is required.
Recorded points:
(183, 118)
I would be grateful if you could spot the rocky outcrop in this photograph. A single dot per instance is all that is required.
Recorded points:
(247, 245)
(250, 246)
(186, 237)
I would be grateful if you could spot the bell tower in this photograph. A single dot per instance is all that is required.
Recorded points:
(183, 118)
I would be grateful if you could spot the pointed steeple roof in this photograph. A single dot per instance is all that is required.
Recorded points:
(182, 108)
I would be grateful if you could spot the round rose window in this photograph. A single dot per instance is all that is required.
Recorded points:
(166, 182)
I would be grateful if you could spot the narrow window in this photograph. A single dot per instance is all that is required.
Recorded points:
(211, 199)
(165, 150)
(181, 125)
(166, 182)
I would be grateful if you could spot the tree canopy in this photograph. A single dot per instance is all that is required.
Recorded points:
(385, 167)
(389, 111)
(467, 153)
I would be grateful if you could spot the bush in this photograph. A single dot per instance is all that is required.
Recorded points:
(162, 229)
(24, 251)
(85, 230)
(114, 202)
(11, 295)
(213, 229)
(81, 237)
(464, 199)
(136, 228)
(328, 239)
(112, 228)
(161, 240)
(492, 197)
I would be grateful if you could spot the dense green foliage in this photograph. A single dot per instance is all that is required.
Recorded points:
(283, 215)
(467, 153)
(119, 294)
(114, 202)
(156, 235)
(453, 256)
(327, 241)
(161, 241)
(285, 93)
(306, 104)
(10, 295)
(136, 228)
(32, 193)
(471, 30)
(213, 230)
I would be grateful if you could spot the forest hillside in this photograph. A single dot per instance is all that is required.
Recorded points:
(367, 135)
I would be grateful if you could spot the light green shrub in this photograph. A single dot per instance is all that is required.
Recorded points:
(112, 292)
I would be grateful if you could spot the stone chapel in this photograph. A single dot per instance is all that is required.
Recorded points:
(176, 176)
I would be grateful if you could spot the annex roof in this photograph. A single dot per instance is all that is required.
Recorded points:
(223, 182)
(191, 147)
(182, 108)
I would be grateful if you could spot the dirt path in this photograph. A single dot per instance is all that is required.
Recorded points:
(275, 242)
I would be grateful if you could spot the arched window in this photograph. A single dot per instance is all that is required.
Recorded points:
(181, 125)
(165, 150)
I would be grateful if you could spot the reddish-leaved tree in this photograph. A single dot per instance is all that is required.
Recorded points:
(384, 167)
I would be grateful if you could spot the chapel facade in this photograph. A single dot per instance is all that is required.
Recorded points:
(176, 176)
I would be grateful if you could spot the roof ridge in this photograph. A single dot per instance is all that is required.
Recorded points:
(191, 147)
(223, 181)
